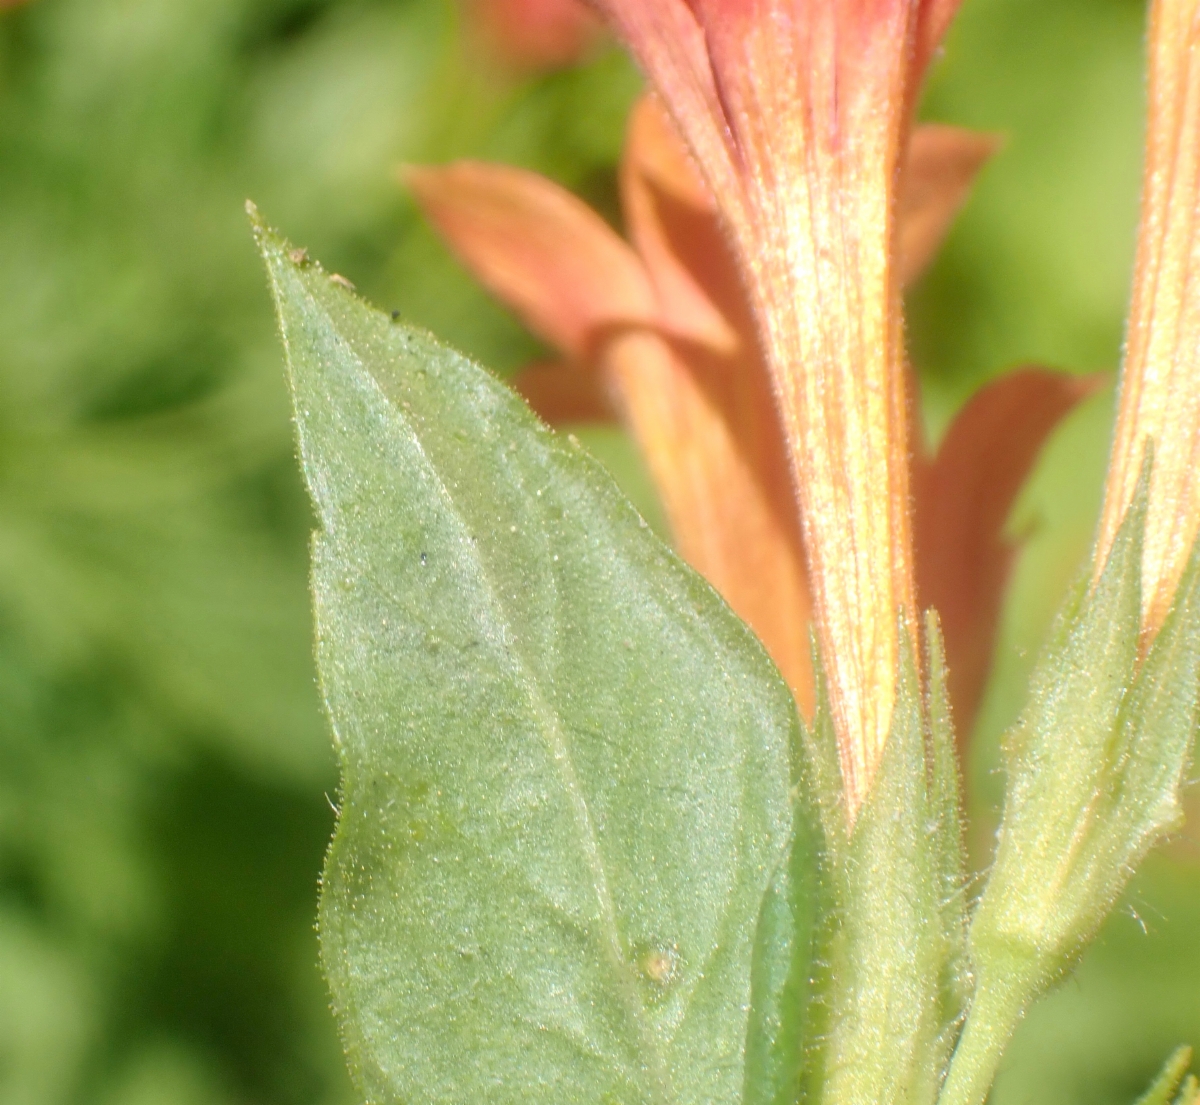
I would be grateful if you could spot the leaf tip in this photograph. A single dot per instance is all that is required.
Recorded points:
(258, 225)
(269, 241)
(277, 250)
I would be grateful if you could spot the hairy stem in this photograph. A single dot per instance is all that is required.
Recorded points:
(996, 1010)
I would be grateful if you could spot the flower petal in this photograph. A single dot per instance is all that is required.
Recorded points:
(941, 167)
(541, 250)
(962, 499)
(708, 430)
(673, 223)
(934, 20)
(536, 34)
(562, 393)
(718, 444)
(818, 97)
(669, 44)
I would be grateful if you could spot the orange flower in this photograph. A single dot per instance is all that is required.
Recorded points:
(1160, 388)
(663, 334)
(961, 500)
(536, 34)
(797, 112)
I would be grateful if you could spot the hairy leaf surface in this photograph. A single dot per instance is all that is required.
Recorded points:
(565, 762)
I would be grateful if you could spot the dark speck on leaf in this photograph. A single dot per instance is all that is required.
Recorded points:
(396, 316)
(423, 559)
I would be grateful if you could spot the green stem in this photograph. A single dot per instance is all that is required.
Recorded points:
(996, 1010)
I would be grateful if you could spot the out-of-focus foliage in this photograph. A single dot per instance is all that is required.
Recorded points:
(1038, 269)
(163, 761)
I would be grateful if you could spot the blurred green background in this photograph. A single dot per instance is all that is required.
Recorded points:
(165, 774)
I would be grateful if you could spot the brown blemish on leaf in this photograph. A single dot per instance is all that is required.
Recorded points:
(660, 965)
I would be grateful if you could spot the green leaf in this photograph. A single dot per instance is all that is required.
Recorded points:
(773, 1041)
(1095, 768)
(784, 965)
(565, 762)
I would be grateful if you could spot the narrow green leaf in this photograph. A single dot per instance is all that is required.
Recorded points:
(779, 977)
(565, 763)
(820, 771)
(1156, 727)
(822, 809)
(789, 1013)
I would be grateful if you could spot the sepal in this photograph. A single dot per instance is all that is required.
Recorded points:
(878, 978)
(892, 1005)
(1095, 766)
(946, 828)
(1173, 1086)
